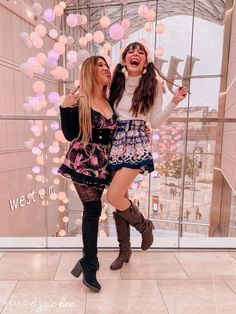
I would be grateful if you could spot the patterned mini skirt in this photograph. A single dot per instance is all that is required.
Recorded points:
(131, 147)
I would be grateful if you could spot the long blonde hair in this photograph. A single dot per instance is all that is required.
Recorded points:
(88, 81)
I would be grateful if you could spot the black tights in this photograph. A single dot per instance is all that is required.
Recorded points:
(91, 199)
(88, 193)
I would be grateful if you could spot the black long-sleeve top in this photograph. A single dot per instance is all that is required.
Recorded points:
(70, 122)
(70, 127)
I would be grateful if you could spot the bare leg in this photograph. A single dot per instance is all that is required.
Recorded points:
(116, 194)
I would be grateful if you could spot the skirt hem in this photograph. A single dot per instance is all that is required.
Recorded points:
(76, 177)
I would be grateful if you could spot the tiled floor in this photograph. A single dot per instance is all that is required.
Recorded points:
(153, 282)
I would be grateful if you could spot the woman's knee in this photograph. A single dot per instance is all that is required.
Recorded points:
(112, 196)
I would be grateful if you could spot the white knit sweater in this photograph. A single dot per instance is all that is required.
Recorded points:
(156, 116)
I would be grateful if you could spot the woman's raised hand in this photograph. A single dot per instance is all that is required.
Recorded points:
(71, 99)
(180, 94)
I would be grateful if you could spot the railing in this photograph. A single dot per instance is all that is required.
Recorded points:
(175, 207)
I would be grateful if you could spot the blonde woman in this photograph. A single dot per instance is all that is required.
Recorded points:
(88, 120)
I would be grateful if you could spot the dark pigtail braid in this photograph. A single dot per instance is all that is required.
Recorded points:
(117, 85)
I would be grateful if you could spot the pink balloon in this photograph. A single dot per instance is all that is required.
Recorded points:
(72, 20)
(58, 10)
(59, 47)
(40, 30)
(49, 15)
(125, 23)
(142, 10)
(54, 98)
(38, 43)
(60, 73)
(38, 87)
(116, 31)
(105, 21)
(98, 37)
(53, 55)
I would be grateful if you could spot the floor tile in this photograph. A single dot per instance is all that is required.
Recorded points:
(105, 259)
(68, 260)
(29, 265)
(197, 296)
(66, 264)
(126, 297)
(205, 265)
(231, 284)
(6, 288)
(233, 254)
(153, 265)
(54, 297)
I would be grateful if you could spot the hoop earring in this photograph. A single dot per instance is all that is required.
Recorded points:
(124, 71)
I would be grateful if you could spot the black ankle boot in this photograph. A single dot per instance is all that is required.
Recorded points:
(89, 274)
(76, 271)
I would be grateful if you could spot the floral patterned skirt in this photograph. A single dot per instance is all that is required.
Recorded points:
(131, 147)
(87, 167)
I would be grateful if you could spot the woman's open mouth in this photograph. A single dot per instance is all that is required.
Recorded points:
(134, 61)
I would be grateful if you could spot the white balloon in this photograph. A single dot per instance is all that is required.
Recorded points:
(27, 70)
(36, 169)
(71, 56)
(82, 55)
(37, 9)
(54, 125)
(53, 33)
(24, 36)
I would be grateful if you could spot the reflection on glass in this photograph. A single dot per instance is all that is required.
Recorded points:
(232, 222)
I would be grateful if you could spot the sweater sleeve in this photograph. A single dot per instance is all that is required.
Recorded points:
(70, 122)
(158, 115)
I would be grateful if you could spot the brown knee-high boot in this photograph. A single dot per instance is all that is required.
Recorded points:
(136, 219)
(123, 237)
